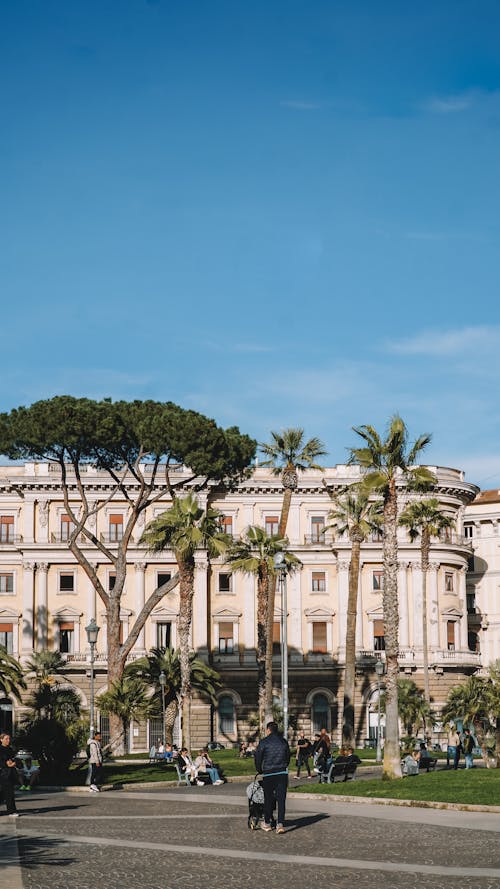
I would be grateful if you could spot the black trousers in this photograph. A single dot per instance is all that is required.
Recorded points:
(303, 760)
(95, 773)
(8, 790)
(275, 787)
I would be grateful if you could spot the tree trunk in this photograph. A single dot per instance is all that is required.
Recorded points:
(170, 717)
(425, 547)
(350, 645)
(262, 604)
(186, 592)
(392, 753)
(115, 671)
(285, 510)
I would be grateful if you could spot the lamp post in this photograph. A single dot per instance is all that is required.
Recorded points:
(92, 631)
(280, 566)
(379, 669)
(163, 681)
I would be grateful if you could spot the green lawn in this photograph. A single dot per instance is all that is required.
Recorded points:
(473, 787)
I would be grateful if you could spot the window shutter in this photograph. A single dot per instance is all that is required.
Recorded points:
(319, 636)
(67, 625)
(378, 628)
(450, 632)
(116, 520)
(6, 628)
(225, 630)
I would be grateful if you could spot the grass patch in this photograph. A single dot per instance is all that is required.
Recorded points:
(471, 786)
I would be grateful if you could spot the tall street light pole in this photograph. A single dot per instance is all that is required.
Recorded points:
(163, 681)
(92, 631)
(280, 565)
(379, 669)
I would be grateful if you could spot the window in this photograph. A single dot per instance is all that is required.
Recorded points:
(272, 525)
(320, 713)
(7, 529)
(67, 582)
(378, 581)
(226, 525)
(115, 528)
(448, 582)
(67, 527)
(164, 635)
(378, 635)
(317, 529)
(7, 637)
(469, 531)
(225, 583)
(473, 641)
(111, 582)
(319, 643)
(226, 715)
(318, 582)
(66, 637)
(6, 583)
(450, 635)
(276, 637)
(226, 637)
(445, 534)
(163, 577)
(471, 603)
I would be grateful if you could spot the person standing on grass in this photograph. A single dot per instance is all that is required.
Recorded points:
(303, 753)
(8, 775)
(468, 747)
(95, 760)
(271, 760)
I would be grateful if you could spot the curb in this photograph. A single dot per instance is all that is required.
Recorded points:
(407, 803)
(138, 785)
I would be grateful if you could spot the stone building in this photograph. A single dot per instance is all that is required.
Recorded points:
(46, 599)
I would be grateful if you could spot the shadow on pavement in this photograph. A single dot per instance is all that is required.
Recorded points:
(34, 853)
(304, 821)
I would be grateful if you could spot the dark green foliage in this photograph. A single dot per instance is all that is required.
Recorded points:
(113, 434)
(54, 744)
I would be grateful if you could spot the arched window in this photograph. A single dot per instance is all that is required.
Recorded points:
(226, 715)
(320, 713)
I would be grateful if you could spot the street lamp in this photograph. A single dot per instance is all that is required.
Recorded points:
(379, 670)
(280, 566)
(92, 631)
(163, 681)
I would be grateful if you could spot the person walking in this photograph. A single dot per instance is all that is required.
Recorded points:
(95, 760)
(468, 747)
(8, 775)
(303, 753)
(454, 747)
(271, 760)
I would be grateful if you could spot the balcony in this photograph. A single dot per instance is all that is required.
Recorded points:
(409, 657)
(318, 540)
(11, 540)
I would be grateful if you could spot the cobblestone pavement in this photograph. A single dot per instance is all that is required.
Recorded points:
(198, 837)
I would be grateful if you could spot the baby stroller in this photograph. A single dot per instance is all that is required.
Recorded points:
(255, 794)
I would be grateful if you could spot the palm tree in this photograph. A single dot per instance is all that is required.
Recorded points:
(11, 676)
(287, 454)
(127, 698)
(204, 679)
(389, 468)
(51, 701)
(412, 707)
(473, 702)
(45, 666)
(353, 514)
(254, 554)
(426, 518)
(184, 528)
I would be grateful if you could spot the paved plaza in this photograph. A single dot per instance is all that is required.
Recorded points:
(198, 837)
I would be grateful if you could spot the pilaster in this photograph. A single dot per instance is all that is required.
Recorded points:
(41, 607)
(27, 632)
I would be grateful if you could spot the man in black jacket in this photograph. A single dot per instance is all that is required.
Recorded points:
(8, 774)
(271, 759)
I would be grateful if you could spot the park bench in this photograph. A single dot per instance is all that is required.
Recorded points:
(345, 771)
(428, 763)
(182, 777)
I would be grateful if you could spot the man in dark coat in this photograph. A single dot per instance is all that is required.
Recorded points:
(8, 775)
(271, 759)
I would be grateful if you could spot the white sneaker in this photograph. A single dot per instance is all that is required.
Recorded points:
(220, 781)
(200, 783)
(13, 814)
(93, 788)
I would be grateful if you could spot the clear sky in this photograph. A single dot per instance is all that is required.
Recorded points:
(277, 213)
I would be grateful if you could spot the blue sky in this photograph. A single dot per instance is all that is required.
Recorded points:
(277, 213)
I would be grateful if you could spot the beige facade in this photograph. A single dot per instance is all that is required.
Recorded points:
(46, 599)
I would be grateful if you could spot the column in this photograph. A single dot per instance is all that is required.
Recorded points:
(342, 596)
(416, 584)
(91, 613)
(28, 601)
(464, 627)
(359, 614)
(293, 527)
(433, 609)
(295, 616)
(28, 521)
(41, 608)
(199, 623)
(140, 591)
(249, 630)
(404, 629)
